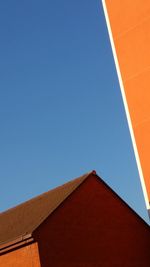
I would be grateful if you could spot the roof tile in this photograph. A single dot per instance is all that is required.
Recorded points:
(26, 217)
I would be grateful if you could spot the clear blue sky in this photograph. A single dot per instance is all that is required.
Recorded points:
(61, 111)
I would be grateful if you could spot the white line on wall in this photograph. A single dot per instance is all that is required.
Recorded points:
(126, 107)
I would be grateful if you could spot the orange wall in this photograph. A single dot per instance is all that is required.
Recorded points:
(27, 256)
(130, 25)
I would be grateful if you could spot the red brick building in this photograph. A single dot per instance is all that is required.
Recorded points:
(82, 223)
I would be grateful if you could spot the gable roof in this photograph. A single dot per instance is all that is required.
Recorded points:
(20, 221)
(17, 224)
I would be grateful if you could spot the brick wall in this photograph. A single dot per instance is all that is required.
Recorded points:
(93, 227)
(27, 256)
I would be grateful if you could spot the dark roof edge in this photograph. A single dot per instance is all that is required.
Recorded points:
(124, 202)
(28, 238)
(13, 244)
(85, 176)
(33, 198)
(81, 182)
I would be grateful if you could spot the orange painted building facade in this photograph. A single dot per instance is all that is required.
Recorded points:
(129, 28)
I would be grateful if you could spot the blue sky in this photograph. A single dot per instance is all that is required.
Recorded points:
(61, 111)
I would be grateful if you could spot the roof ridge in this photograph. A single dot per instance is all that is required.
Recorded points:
(45, 193)
(26, 217)
(81, 178)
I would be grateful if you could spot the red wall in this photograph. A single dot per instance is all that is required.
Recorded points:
(93, 227)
